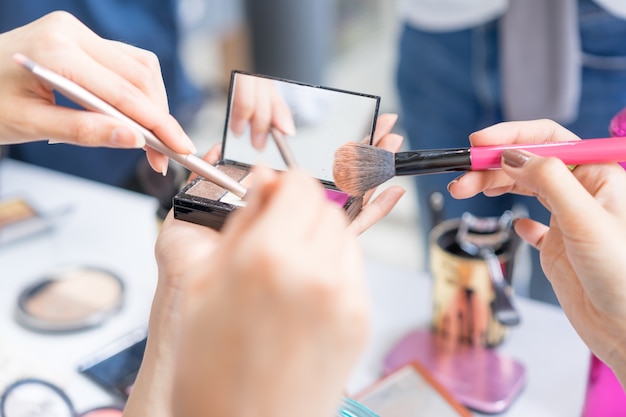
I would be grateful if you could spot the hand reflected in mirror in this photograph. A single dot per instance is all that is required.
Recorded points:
(258, 104)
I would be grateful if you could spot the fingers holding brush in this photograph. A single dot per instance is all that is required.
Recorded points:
(497, 182)
(385, 201)
(126, 78)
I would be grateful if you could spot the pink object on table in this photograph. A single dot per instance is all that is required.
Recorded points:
(605, 396)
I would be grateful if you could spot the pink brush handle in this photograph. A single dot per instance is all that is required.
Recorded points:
(587, 151)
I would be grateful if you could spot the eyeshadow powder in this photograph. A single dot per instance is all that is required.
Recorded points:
(70, 299)
(207, 189)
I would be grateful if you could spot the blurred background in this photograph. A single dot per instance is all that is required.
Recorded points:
(348, 44)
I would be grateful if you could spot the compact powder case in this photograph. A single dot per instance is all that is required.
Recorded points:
(324, 118)
(35, 397)
(70, 299)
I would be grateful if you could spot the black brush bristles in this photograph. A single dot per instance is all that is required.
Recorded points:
(359, 167)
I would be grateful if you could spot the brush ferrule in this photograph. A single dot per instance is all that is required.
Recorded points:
(432, 161)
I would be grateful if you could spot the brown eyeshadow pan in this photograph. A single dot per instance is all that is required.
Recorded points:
(207, 189)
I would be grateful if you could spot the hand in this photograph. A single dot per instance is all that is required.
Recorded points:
(176, 256)
(374, 210)
(582, 250)
(257, 101)
(124, 76)
(276, 314)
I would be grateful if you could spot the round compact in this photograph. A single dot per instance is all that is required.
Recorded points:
(35, 398)
(70, 299)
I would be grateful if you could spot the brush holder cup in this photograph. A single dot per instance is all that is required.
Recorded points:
(465, 297)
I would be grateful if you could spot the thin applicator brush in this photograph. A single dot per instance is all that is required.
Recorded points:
(93, 103)
(283, 148)
(359, 167)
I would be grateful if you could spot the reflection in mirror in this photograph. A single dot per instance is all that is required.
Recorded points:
(314, 121)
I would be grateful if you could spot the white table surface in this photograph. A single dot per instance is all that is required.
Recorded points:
(116, 229)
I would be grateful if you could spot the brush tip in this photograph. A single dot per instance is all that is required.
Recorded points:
(359, 167)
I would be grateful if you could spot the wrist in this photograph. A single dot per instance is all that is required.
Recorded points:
(152, 391)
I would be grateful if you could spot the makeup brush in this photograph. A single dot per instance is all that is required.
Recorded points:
(91, 102)
(359, 167)
(283, 148)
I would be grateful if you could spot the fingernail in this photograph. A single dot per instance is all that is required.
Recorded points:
(288, 127)
(164, 167)
(258, 140)
(238, 126)
(454, 181)
(514, 158)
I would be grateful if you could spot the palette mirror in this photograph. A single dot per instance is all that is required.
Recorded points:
(278, 123)
(323, 119)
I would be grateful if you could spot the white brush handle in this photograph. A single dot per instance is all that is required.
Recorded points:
(91, 102)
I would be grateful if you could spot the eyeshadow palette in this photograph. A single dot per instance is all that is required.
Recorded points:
(323, 119)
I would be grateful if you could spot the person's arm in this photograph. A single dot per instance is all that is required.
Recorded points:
(583, 247)
(266, 317)
(126, 77)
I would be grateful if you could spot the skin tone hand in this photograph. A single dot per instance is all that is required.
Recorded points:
(153, 386)
(277, 313)
(257, 102)
(208, 285)
(582, 249)
(124, 76)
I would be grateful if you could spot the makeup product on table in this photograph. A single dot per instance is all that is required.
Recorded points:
(41, 398)
(35, 397)
(360, 167)
(411, 391)
(467, 304)
(70, 299)
(91, 102)
(477, 377)
(19, 219)
(482, 237)
(339, 117)
(115, 366)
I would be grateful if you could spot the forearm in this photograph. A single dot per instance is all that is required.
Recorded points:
(151, 394)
